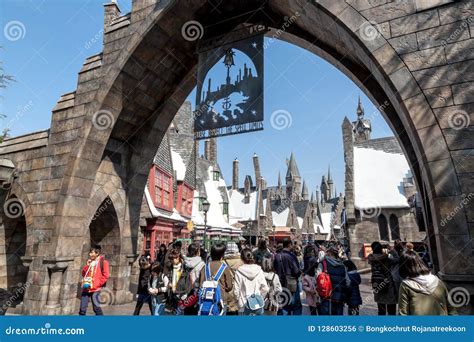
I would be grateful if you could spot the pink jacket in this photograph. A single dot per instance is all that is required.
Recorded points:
(309, 287)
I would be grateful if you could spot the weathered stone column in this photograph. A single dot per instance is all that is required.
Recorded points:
(56, 268)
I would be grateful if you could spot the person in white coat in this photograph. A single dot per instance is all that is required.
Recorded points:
(250, 286)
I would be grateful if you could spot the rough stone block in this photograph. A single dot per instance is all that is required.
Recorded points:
(455, 116)
(389, 11)
(460, 51)
(405, 44)
(405, 83)
(445, 75)
(463, 161)
(424, 58)
(463, 92)
(420, 111)
(442, 35)
(413, 23)
(433, 143)
(459, 138)
(439, 97)
(444, 178)
(461, 10)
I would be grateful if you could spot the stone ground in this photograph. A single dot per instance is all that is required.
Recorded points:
(369, 308)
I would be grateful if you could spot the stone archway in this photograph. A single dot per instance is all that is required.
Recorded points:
(147, 69)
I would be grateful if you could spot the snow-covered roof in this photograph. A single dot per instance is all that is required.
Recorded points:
(215, 217)
(300, 221)
(280, 219)
(239, 210)
(161, 213)
(178, 165)
(326, 222)
(378, 179)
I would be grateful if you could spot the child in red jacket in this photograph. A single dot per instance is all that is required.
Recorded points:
(94, 276)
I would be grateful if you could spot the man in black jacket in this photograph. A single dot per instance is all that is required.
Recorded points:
(287, 267)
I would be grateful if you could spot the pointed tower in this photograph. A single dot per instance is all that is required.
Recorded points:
(324, 189)
(293, 179)
(330, 184)
(304, 192)
(361, 127)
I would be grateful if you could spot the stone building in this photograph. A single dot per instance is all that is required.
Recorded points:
(379, 190)
(284, 211)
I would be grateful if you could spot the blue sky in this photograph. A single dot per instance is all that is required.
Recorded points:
(56, 36)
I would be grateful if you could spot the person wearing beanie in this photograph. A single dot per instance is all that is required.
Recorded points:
(233, 261)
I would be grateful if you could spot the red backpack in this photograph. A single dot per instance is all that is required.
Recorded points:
(323, 283)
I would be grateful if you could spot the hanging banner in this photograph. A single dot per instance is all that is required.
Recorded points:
(229, 96)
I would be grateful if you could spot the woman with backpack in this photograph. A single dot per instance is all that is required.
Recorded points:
(157, 288)
(310, 289)
(383, 285)
(273, 297)
(422, 293)
(354, 299)
(250, 287)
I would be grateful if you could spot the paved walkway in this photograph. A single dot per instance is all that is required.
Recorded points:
(368, 308)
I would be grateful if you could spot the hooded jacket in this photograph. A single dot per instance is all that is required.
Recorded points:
(194, 265)
(249, 279)
(339, 278)
(424, 295)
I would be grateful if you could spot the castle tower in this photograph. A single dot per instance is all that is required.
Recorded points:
(361, 127)
(304, 192)
(324, 189)
(293, 179)
(330, 184)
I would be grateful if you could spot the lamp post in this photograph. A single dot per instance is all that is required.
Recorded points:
(205, 208)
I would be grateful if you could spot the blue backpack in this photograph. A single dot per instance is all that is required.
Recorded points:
(210, 300)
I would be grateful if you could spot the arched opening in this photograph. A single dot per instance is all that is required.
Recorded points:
(394, 227)
(143, 90)
(13, 274)
(104, 230)
(383, 228)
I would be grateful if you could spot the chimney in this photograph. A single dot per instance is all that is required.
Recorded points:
(207, 150)
(256, 166)
(235, 174)
(111, 11)
(213, 150)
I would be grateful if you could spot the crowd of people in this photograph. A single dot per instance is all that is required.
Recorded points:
(236, 279)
